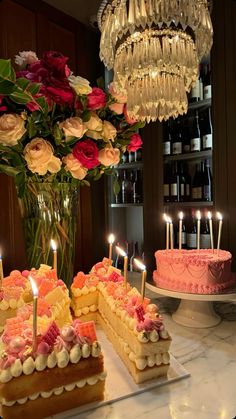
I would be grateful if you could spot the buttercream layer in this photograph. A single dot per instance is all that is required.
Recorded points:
(43, 381)
(41, 407)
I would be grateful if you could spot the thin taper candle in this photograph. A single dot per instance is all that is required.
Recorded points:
(167, 231)
(211, 230)
(141, 266)
(1, 270)
(171, 235)
(219, 216)
(54, 249)
(111, 240)
(180, 229)
(122, 253)
(35, 311)
(198, 229)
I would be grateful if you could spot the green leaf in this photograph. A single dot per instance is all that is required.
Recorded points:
(6, 71)
(86, 115)
(57, 134)
(6, 87)
(8, 170)
(116, 187)
(19, 96)
(32, 129)
(23, 83)
(85, 182)
(42, 103)
(33, 88)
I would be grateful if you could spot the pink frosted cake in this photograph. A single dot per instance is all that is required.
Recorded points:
(193, 271)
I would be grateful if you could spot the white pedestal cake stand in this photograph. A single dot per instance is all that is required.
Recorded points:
(195, 310)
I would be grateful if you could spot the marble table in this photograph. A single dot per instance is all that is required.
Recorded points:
(209, 355)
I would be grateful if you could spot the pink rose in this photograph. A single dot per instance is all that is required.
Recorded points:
(135, 143)
(119, 97)
(96, 99)
(86, 152)
(118, 108)
(128, 119)
(109, 156)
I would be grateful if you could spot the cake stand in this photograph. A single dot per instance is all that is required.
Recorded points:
(195, 310)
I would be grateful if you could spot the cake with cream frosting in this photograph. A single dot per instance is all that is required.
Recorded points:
(64, 370)
(194, 271)
(132, 324)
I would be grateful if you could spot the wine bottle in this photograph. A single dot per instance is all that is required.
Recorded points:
(174, 183)
(192, 233)
(137, 188)
(127, 188)
(167, 176)
(197, 184)
(166, 139)
(206, 130)
(135, 254)
(207, 182)
(131, 156)
(187, 182)
(117, 189)
(125, 157)
(138, 155)
(195, 136)
(195, 92)
(205, 238)
(207, 90)
(201, 87)
(186, 137)
(182, 183)
(177, 141)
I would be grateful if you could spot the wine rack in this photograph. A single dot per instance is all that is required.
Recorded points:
(198, 155)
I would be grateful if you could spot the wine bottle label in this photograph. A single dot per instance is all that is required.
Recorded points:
(186, 148)
(166, 148)
(197, 192)
(205, 241)
(207, 141)
(207, 192)
(195, 92)
(207, 92)
(187, 189)
(195, 144)
(182, 189)
(192, 240)
(166, 190)
(173, 189)
(184, 237)
(177, 148)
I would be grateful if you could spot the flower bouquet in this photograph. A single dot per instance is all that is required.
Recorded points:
(57, 133)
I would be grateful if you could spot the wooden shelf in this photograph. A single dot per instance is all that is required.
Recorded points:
(133, 165)
(195, 204)
(198, 155)
(201, 104)
(125, 205)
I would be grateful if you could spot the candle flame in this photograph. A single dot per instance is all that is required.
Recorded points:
(33, 286)
(209, 215)
(198, 215)
(120, 251)
(169, 220)
(139, 264)
(181, 215)
(166, 218)
(53, 245)
(219, 216)
(111, 239)
(0, 254)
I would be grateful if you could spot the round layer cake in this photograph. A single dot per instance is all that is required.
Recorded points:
(194, 271)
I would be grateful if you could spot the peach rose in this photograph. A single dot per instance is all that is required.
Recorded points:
(109, 156)
(12, 128)
(120, 97)
(94, 126)
(118, 108)
(39, 156)
(73, 127)
(73, 166)
(109, 131)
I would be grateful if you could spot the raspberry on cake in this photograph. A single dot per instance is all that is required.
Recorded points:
(132, 324)
(194, 271)
(65, 371)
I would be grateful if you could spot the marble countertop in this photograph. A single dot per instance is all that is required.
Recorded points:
(209, 355)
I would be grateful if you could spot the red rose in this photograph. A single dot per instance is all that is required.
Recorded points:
(59, 95)
(96, 99)
(86, 152)
(56, 62)
(135, 142)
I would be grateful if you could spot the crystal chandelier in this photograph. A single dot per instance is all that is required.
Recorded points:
(154, 48)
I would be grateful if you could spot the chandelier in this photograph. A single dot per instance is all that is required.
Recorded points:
(154, 48)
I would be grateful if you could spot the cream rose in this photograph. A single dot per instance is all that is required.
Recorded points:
(39, 157)
(109, 156)
(94, 126)
(120, 97)
(73, 127)
(80, 85)
(12, 128)
(109, 131)
(74, 167)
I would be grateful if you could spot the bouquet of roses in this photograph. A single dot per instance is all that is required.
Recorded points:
(54, 127)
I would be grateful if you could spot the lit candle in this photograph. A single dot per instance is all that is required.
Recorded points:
(54, 249)
(181, 216)
(35, 305)
(142, 267)
(220, 218)
(122, 253)
(111, 240)
(167, 220)
(198, 215)
(1, 270)
(171, 234)
(211, 229)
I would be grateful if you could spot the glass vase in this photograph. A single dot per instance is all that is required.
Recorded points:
(49, 211)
